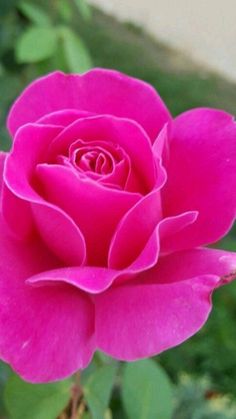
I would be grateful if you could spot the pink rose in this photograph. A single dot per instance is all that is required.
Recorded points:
(105, 202)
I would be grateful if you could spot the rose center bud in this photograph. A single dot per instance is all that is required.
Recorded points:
(93, 160)
(101, 161)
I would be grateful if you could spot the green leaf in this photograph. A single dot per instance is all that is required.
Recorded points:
(6, 7)
(36, 401)
(97, 389)
(76, 53)
(146, 391)
(36, 44)
(5, 373)
(84, 9)
(65, 10)
(34, 13)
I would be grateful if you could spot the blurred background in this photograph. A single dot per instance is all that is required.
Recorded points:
(187, 50)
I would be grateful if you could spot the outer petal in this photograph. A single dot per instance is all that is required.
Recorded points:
(18, 173)
(63, 117)
(2, 161)
(87, 278)
(186, 264)
(46, 334)
(56, 228)
(201, 175)
(161, 308)
(95, 280)
(98, 91)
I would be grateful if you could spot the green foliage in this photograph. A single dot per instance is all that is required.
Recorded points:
(34, 13)
(97, 389)
(65, 10)
(75, 51)
(212, 350)
(7, 6)
(36, 44)
(5, 373)
(196, 399)
(36, 401)
(84, 9)
(146, 391)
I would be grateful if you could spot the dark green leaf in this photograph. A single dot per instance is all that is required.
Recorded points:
(34, 13)
(76, 53)
(36, 44)
(36, 401)
(5, 372)
(146, 391)
(97, 389)
(6, 6)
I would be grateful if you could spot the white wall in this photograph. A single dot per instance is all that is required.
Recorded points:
(204, 29)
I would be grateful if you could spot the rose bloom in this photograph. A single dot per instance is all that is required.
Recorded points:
(106, 202)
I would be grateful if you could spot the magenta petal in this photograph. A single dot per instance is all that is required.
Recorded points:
(60, 233)
(63, 117)
(94, 208)
(12, 205)
(95, 280)
(161, 241)
(162, 307)
(186, 264)
(18, 172)
(134, 231)
(171, 226)
(127, 134)
(46, 333)
(98, 91)
(136, 227)
(151, 318)
(90, 279)
(201, 175)
(148, 257)
(57, 229)
(161, 146)
(2, 161)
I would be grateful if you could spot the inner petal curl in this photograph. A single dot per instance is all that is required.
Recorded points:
(102, 161)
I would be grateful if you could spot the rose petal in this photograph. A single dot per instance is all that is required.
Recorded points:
(94, 208)
(18, 172)
(98, 91)
(15, 209)
(57, 229)
(201, 175)
(2, 161)
(127, 134)
(160, 242)
(168, 305)
(151, 318)
(148, 257)
(186, 264)
(96, 280)
(161, 146)
(63, 117)
(47, 333)
(171, 227)
(136, 227)
(87, 278)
